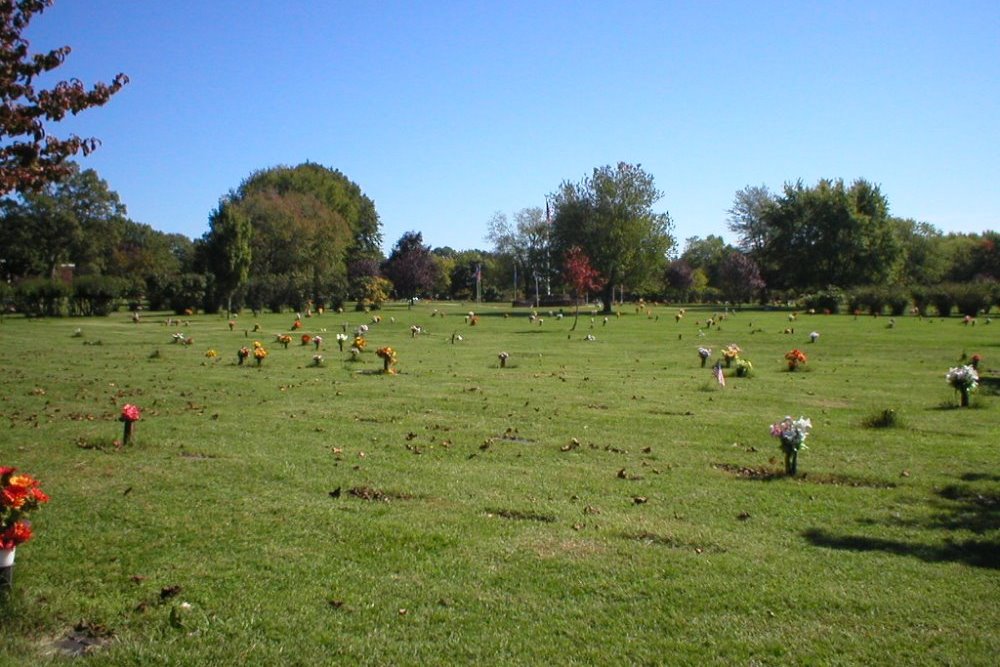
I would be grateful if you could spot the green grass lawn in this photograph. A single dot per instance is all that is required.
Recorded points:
(594, 502)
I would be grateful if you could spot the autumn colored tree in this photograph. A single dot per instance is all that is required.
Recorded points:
(29, 156)
(410, 266)
(580, 276)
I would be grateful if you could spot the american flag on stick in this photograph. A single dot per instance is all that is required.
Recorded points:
(717, 369)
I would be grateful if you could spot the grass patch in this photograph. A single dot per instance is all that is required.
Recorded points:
(317, 515)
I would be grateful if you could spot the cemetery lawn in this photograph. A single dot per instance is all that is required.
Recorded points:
(594, 502)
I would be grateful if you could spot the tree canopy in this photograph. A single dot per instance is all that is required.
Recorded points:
(411, 266)
(308, 224)
(830, 234)
(29, 155)
(76, 219)
(610, 216)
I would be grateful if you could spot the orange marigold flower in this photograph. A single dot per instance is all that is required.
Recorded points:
(18, 533)
(23, 481)
(14, 496)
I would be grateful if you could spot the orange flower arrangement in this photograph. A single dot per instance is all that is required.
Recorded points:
(388, 356)
(306, 339)
(795, 358)
(259, 353)
(19, 494)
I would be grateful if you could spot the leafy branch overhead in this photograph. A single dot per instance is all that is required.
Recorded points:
(29, 156)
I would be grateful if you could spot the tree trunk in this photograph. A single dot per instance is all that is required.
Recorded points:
(608, 297)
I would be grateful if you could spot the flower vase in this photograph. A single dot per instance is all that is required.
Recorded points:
(7, 568)
(703, 360)
(964, 393)
(127, 435)
(791, 457)
(340, 343)
(729, 362)
(503, 362)
(385, 364)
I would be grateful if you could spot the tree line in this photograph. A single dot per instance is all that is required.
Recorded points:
(308, 237)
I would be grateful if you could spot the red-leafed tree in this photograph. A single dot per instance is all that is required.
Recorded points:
(29, 156)
(581, 277)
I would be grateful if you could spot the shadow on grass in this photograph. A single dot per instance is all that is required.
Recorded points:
(990, 386)
(963, 508)
(977, 553)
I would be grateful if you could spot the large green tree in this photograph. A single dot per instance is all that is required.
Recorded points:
(333, 190)
(228, 249)
(309, 224)
(30, 157)
(610, 216)
(830, 234)
(746, 218)
(76, 219)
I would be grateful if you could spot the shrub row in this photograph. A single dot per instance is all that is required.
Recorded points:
(968, 298)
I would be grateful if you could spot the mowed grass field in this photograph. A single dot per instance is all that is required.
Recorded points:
(594, 502)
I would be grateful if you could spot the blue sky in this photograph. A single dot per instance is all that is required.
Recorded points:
(446, 112)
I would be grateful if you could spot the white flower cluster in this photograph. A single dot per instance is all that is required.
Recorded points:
(793, 432)
(963, 378)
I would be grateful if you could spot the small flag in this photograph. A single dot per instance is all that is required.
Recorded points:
(718, 374)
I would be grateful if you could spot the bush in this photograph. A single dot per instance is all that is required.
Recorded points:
(6, 297)
(943, 300)
(868, 299)
(921, 296)
(37, 297)
(828, 300)
(898, 300)
(972, 298)
(96, 295)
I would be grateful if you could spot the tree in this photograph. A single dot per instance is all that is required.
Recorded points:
(229, 252)
(679, 277)
(76, 219)
(707, 254)
(610, 216)
(747, 219)
(526, 246)
(410, 266)
(333, 190)
(29, 156)
(739, 278)
(924, 258)
(581, 277)
(310, 224)
(830, 234)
